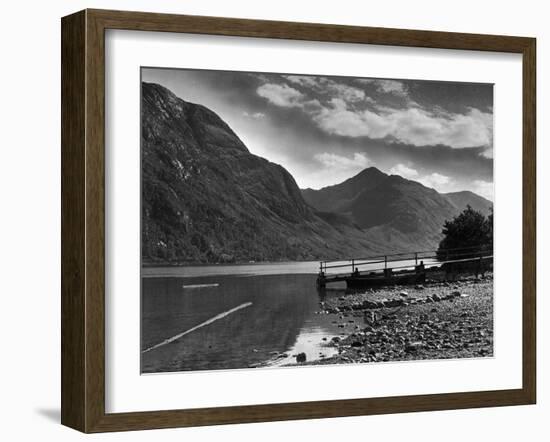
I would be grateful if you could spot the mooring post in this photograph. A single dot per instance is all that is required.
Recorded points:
(385, 262)
(321, 283)
(352, 265)
(415, 258)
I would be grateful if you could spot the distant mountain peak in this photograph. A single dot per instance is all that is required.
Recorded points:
(370, 170)
(331, 198)
(396, 208)
(368, 173)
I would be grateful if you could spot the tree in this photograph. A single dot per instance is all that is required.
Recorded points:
(470, 231)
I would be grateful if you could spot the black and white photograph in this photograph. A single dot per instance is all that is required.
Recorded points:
(292, 220)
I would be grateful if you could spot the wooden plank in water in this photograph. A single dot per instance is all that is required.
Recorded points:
(200, 286)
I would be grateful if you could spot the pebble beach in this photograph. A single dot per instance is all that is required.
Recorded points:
(435, 320)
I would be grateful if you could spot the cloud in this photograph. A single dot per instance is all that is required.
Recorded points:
(330, 168)
(340, 109)
(303, 80)
(421, 128)
(484, 188)
(436, 181)
(393, 87)
(281, 95)
(337, 119)
(333, 161)
(254, 115)
(331, 88)
(404, 171)
(410, 126)
(347, 93)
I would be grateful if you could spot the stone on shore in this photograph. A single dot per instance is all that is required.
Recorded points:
(413, 347)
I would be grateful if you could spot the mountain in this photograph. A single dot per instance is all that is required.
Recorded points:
(336, 198)
(462, 199)
(206, 198)
(401, 211)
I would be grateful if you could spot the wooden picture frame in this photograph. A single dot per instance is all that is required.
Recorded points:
(83, 220)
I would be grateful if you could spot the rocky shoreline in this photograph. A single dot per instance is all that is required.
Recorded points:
(436, 320)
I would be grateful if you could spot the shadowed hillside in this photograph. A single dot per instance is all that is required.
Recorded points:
(206, 198)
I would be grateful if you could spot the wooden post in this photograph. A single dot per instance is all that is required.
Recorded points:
(352, 265)
(416, 258)
(321, 283)
(385, 262)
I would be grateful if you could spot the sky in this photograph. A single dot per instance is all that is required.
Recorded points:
(324, 130)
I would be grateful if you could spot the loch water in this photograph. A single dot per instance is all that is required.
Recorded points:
(233, 316)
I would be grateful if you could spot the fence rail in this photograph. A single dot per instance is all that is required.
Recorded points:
(419, 261)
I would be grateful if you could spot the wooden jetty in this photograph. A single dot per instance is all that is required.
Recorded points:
(405, 268)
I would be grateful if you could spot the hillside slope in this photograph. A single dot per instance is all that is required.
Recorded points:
(206, 198)
(462, 199)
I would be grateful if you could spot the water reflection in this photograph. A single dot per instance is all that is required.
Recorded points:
(283, 317)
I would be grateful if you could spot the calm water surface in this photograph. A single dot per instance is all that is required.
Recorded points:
(233, 316)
